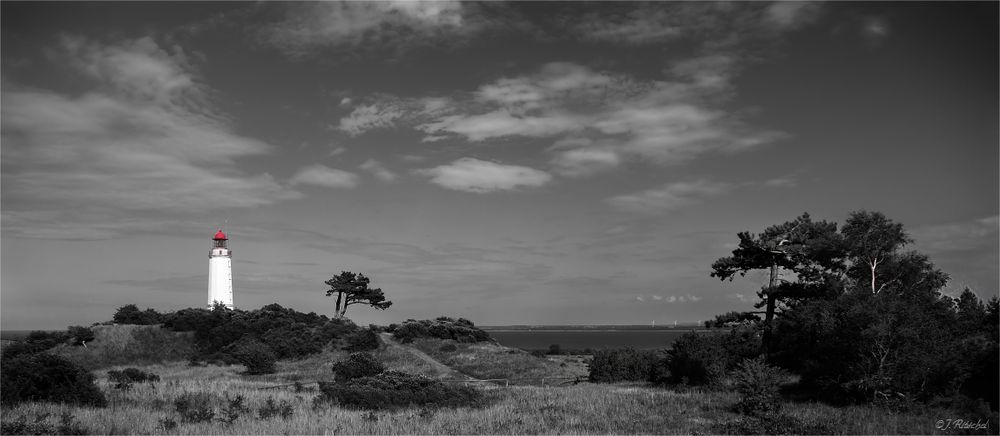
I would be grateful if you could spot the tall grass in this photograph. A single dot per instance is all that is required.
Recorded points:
(130, 345)
(485, 360)
(581, 409)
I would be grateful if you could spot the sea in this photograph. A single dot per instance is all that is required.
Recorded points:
(592, 337)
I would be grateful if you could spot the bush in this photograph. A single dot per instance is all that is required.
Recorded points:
(124, 379)
(627, 364)
(393, 389)
(271, 409)
(130, 314)
(195, 407)
(758, 384)
(44, 377)
(233, 410)
(771, 424)
(448, 348)
(555, 349)
(40, 426)
(461, 330)
(289, 333)
(363, 340)
(80, 335)
(701, 359)
(255, 355)
(357, 365)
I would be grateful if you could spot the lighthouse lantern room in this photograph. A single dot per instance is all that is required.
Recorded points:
(220, 272)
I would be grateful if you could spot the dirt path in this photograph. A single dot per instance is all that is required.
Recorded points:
(445, 371)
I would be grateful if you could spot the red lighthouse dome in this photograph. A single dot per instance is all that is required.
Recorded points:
(219, 236)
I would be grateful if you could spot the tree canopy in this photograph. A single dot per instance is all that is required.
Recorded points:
(351, 289)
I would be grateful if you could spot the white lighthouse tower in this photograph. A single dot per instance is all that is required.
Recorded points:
(220, 272)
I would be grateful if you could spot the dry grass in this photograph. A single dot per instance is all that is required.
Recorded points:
(130, 344)
(582, 409)
(484, 360)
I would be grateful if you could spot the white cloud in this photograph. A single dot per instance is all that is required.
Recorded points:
(585, 161)
(501, 123)
(780, 182)
(670, 299)
(337, 151)
(367, 117)
(668, 197)
(598, 120)
(321, 175)
(956, 236)
(307, 27)
(474, 175)
(791, 14)
(716, 23)
(378, 170)
(144, 138)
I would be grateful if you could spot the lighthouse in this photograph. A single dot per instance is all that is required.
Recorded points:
(220, 272)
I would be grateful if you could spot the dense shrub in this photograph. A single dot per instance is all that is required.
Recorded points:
(733, 319)
(235, 408)
(39, 425)
(912, 343)
(758, 384)
(80, 335)
(195, 407)
(125, 378)
(771, 424)
(626, 364)
(392, 389)
(130, 314)
(270, 409)
(44, 377)
(296, 340)
(36, 341)
(555, 349)
(255, 355)
(700, 359)
(448, 348)
(363, 340)
(289, 333)
(461, 330)
(357, 365)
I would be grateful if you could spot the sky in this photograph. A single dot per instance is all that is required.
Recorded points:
(511, 163)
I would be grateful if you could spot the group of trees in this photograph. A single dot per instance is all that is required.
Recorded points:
(856, 315)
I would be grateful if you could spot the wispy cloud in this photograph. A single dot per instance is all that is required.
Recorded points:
(670, 196)
(376, 169)
(669, 299)
(367, 117)
(715, 23)
(311, 26)
(479, 176)
(324, 176)
(598, 120)
(135, 141)
(962, 235)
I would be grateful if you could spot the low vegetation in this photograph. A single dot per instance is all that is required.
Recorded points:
(489, 361)
(49, 378)
(125, 378)
(610, 366)
(461, 330)
(394, 389)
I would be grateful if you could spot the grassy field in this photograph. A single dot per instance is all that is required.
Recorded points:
(518, 409)
(581, 409)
